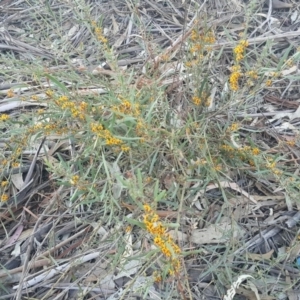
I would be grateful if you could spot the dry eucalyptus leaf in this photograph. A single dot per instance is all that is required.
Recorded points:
(279, 4)
(129, 269)
(290, 115)
(178, 235)
(294, 16)
(260, 257)
(72, 31)
(223, 184)
(116, 28)
(216, 233)
(291, 70)
(17, 180)
(18, 104)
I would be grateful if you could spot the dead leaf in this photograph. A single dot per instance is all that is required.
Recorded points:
(14, 237)
(129, 269)
(18, 104)
(291, 70)
(224, 184)
(291, 116)
(216, 233)
(178, 235)
(169, 181)
(279, 4)
(72, 31)
(260, 257)
(17, 180)
(294, 16)
(115, 25)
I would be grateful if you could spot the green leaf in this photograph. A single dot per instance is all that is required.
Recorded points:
(60, 85)
(135, 222)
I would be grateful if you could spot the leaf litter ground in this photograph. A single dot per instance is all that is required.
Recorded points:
(72, 211)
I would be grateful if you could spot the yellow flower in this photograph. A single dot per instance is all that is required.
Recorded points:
(4, 183)
(210, 38)
(240, 49)
(276, 172)
(252, 74)
(194, 35)
(4, 197)
(271, 165)
(34, 97)
(15, 164)
(244, 43)
(128, 229)
(112, 141)
(147, 208)
(49, 93)
(83, 106)
(10, 93)
(207, 102)
(234, 80)
(218, 167)
(99, 33)
(40, 111)
(196, 100)
(74, 180)
(269, 82)
(291, 143)
(157, 277)
(96, 128)
(160, 238)
(4, 117)
(227, 148)
(196, 48)
(63, 98)
(255, 151)
(234, 127)
(125, 148)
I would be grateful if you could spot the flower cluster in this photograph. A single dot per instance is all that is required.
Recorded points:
(233, 127)
(255, 151)
(243, 153)
(77, 111)
(48, 127)
(252, 74)
(99, 33)
(141, 130)
(110, 140)
(271, 165)
(162, 239)
(74, 180)
(203, 99)
(269, 82)
(4, 197)
(127, 108)
(207, 38)
(196, 100)
(239, 50)
(49, 93)
(10, 93)
(4, 117)
(201, 44)
(236, 74)
(194, 62)
(234, 78)
(4, 183)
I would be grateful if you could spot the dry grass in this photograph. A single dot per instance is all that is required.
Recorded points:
(149, 150)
